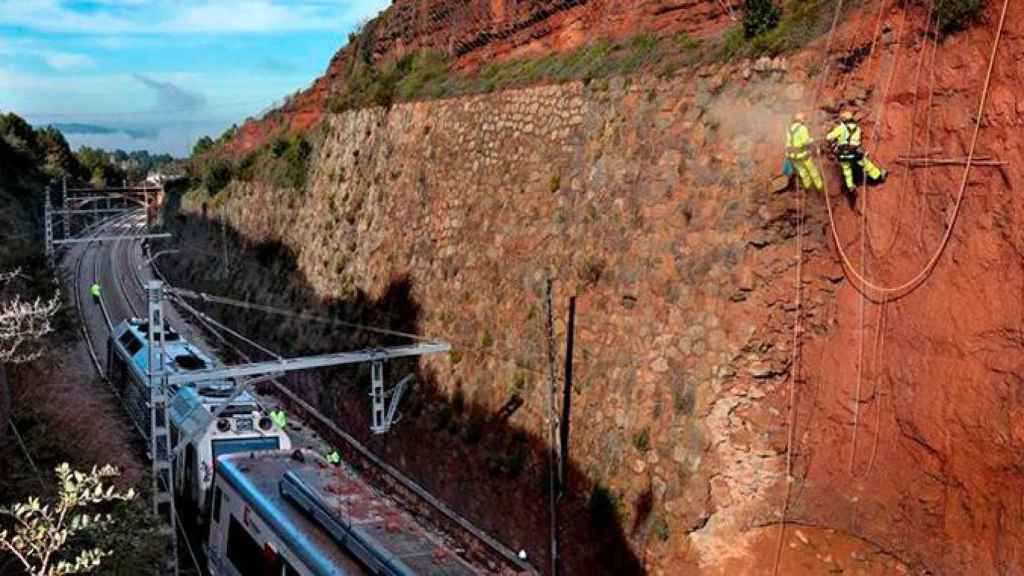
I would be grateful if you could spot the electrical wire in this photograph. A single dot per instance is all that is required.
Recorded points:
(295, 315)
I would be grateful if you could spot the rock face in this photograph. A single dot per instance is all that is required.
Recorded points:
(653, 202)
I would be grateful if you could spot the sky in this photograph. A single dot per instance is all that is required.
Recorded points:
(159, 74)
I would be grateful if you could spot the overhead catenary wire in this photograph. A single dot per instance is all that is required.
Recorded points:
(207, 318)
(191, 294)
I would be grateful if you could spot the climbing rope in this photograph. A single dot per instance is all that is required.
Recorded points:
(848, 267)
(913, 128)
(794, 372)
(875, 363)
(911, 284)
(865, 236)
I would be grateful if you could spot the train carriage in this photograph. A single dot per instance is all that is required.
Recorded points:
(241, 426)
(281, 513)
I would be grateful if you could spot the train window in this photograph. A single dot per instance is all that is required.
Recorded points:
(248, 557)
(189, 362)
(130, 343)
(216, 504)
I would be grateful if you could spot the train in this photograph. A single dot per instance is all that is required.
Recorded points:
(242, 425)
(261, 506)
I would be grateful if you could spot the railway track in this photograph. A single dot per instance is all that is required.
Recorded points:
(127, 278)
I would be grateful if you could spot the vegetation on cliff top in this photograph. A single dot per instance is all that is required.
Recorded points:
(282, 162)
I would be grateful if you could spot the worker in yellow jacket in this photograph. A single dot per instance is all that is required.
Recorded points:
(798, 150)
(846, 141)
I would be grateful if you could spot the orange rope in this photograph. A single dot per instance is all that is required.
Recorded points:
(928, 129)
(912, 283)
(913, 129)
(794, 374)
(879, 350)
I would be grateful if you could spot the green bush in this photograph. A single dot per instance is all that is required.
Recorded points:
(407, 78)
(759, 16)
(955, 15)
(642, 440)
(217, 174)
(801, 22)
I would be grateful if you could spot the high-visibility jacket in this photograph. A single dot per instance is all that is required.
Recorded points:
(845, 134)
(95, 290)
(333, 457)
(798, 141)
(279, 419)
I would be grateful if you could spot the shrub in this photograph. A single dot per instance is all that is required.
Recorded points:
(642, 440)
(455, 356)
(955, 15)
(217, 175)
(802, 21)
(685, 42)
(759, 16)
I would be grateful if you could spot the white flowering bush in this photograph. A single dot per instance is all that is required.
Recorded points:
(42, 533)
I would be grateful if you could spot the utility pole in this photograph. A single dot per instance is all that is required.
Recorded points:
(555, 457)
(159, 431)
(66, 218)
(48, 224)
(567, 396)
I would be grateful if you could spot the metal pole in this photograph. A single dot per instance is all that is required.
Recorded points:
(553, 464)
(567, 394)
(159, 431)
(64, 194)
(48, 225)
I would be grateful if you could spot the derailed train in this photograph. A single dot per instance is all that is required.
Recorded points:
(263, 508)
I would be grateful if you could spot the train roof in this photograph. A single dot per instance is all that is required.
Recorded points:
(180, 356)
(326, 514)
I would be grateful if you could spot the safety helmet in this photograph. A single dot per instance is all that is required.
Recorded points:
(846, 114)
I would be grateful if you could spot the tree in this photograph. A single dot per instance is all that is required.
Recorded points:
(23, 322)
(202, 146)
(42, 533)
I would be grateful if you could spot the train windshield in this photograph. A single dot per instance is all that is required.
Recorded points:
(235, 445)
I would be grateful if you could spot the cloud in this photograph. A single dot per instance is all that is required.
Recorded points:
(66, 60)
(135, 133)
(172, 97)
(161, 17)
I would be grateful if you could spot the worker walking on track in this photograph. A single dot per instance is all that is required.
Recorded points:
(798, 151)
(333, 457)
(95, 291)
(846, 142)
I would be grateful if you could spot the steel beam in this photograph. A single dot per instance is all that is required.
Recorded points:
(295, 364)
(101, 238)
(98, 211)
